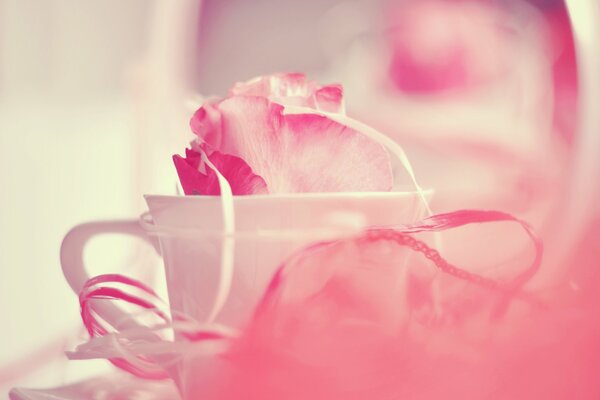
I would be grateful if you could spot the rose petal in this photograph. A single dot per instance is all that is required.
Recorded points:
(206, 124)
(302, 152)
(330, 157)
(259, 86)
(330, 98)
(291, 85)
(239, 175)
(292, 89)
(276, 85)
(192, 181)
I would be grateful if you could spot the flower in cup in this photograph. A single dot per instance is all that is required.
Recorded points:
(276, 134)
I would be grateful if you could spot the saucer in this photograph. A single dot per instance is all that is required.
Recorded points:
(112, 386)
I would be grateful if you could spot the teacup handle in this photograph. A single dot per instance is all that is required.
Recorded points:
(73, 246)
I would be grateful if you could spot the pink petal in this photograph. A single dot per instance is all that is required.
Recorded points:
(239, 175)
(291, 85)
(302, 153)
(206, 124)
(292, 89)
(250, 128)
(329, 157)
(330, 98)
(259, 86)
(276, 85)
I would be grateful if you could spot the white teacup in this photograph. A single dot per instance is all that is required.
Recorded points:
(268, 229)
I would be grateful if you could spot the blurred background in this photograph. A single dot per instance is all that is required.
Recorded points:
(493, 101)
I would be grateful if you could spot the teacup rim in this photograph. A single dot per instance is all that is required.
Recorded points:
(302, 195)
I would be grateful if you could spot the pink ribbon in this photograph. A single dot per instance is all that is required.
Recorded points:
(102, 287)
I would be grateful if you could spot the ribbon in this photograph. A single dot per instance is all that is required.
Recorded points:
(228, 246)
(133, 348)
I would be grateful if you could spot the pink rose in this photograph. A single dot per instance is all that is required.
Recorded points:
(262, 148)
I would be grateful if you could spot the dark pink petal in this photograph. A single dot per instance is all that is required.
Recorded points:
(193, 158)
(302, 153)
(192, 181)
(239, 175)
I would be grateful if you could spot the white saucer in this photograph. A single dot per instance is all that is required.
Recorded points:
(113, 386)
